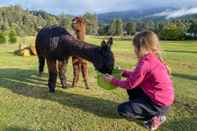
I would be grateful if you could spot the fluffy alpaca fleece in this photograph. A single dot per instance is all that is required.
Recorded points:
(79, 64)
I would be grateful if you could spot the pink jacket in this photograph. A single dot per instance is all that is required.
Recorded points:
(151, 75)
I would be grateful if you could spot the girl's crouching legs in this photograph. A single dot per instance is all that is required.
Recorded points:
(125, 110)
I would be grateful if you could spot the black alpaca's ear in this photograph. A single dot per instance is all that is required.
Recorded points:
(110, 42)
(103, 43)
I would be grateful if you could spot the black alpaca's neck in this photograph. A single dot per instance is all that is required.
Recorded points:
(84, 50)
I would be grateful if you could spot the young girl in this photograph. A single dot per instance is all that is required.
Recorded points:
(149, 86)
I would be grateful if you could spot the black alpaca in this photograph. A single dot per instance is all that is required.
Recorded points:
(56, 45)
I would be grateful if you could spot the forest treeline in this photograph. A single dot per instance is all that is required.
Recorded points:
(16, 21)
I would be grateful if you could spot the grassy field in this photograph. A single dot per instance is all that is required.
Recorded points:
(26, 105)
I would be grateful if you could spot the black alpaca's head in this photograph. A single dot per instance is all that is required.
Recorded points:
(105, 58)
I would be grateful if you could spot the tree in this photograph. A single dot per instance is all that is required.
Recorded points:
(92, 23)
(150, 25)
(158, 27)
(130, 28)
(116, 27)
(2, 38)
(193, 29)
(112, 29)
(51, 21)
(4, 26)
(65, 21)
(103, 29)
(12, 36)
(172, 31)
(119, 27)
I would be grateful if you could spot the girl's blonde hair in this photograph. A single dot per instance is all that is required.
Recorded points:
(148, 41)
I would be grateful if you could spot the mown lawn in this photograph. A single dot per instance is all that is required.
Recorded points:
(26, 105)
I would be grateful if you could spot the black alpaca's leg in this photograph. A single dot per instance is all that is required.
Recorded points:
(52, 75)
(84, 70)
(41, 60)
(76, 71)
(62, 71)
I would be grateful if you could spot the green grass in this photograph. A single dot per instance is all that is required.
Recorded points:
(26, 105)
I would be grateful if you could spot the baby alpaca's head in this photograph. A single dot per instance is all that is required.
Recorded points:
(78, 24)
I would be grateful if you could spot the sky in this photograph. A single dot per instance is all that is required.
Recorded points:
(78, 7)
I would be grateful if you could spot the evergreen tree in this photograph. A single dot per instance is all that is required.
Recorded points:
(116, 27)
(2, 38)
(193, 29)
(112, 29)
(92, 23)
(119, 27)
(12, 36)
(172, 31)
(130, 28)
(103, 29)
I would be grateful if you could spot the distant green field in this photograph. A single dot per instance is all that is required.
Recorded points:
(26, 105)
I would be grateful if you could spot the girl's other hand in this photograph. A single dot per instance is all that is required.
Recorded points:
(120, 69)
(108, 77)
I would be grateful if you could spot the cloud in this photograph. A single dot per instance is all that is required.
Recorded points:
(98, 6)
(182, 12)
(176, 13)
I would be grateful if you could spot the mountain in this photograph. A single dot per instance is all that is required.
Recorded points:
(149, 14)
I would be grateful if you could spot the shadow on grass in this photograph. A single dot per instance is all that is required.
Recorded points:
(185, 124)
(185, 76)
(181, 51)
(17, 129)
(26, 83)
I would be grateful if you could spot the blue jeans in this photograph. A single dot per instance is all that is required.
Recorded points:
(140, 106)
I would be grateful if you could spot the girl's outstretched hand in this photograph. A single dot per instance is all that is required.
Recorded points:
(120, 69)
(108, 77)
